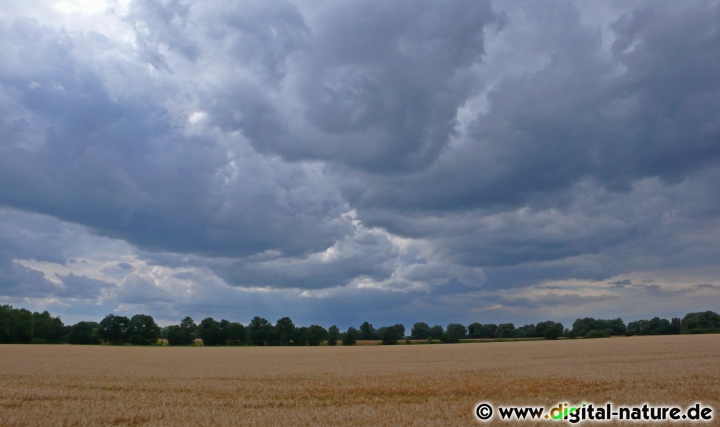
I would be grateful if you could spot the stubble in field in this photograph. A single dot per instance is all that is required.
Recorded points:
(354, 386)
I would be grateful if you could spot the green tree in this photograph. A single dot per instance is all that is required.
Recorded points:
(474, 330)
(525, 331)
(399, 330)
(541, 327)
(113, 329)
(83, 333)
(456, 331)
(436, 332)
(164, 333)
(676, 325)
(700, 322)
(613, 327)
(261, 332)
(210, 333)
(189, 330)
(175, 336)
(420, 331)
(142, 330)
(333, 335)
(237, 334)
(47, 329)
(224, 331)
(316, 334)
(505, 330)
(551, 334)
(24, 325)
(350, 336)
(284, 329)
(389, 336)
(595, 333)
(367, 332)
(16, 325)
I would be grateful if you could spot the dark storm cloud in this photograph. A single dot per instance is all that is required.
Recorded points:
(649, 110)
(531, 180)
(379, 156)
(381, 82)
(118, 166)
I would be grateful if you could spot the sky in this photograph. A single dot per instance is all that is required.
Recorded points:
(347, 161)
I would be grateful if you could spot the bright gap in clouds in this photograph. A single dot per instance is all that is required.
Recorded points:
(88, 7)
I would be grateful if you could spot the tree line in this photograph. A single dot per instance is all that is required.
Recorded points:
(19, 325)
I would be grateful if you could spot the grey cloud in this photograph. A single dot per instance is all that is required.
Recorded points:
(501, 145)
(379, 84)
(139, 289)
(584, 115)
(621, 283)
(118, 166)
(74, 286)
(19, 281)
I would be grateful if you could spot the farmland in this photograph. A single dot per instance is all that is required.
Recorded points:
(368, 385)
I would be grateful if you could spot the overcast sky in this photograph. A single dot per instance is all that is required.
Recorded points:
(342, 161)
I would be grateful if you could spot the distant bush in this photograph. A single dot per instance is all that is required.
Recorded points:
(551, 334)
(570, 334)
(702, 331)
(595, 333)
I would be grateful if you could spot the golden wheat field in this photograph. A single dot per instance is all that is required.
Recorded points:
(346, 386)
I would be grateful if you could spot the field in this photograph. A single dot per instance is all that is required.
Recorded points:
(349, 386)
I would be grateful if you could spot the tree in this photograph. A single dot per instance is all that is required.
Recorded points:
(224, 331)
(299, 336)
(420, 331)
(595, 333)
(613, 327)
(389, 336)
(183, 334)
(367, 332)
(47, 329)
(474, 330)
(654, 326)
(113, 329)
(676, 325)
(541, 327)
(456, 331)
(261, 332)
(175, 336)
(700, 322)
(489, 330)
(284, 329)
(188, 328)
(142, 330)
(436, 332)
(237, 335)
(83, 333)
(505, 330)
(551, 334)
(350, 336)
(399, 330)
(164, 333)
(525, 331)
(16, 325)
(209, 332)
(316, 334)
(333, 335)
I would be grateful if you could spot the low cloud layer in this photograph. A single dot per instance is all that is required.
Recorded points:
(360, 160)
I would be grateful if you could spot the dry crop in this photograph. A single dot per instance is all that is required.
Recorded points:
(353, 386)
